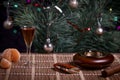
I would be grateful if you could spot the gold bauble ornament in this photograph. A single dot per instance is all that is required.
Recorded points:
(73, 3)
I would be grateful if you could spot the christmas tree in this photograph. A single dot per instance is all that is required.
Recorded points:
(68, 25)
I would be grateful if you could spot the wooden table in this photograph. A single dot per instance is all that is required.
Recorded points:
(43, 69)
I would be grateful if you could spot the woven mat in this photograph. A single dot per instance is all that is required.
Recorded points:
(43, 69)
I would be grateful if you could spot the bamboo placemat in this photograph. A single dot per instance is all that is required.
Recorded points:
(42, 69)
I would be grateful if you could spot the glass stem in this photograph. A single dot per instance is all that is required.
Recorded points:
(28, 53)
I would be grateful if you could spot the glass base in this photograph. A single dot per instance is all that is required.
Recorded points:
(28, 63)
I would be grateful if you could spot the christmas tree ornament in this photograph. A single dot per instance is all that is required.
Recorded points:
(118, 28)
(38, 9)
(73, 3)
(48, 47)
(110, 10)
(28, 1)
(60, 10)
(16, 5)
(36, 4)
(87, 29)
(8, 22)
(99, 30)
(116, 18)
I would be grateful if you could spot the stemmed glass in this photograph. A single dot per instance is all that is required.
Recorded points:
(28, 35)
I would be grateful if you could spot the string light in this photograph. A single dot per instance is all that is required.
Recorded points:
(115, 18)
(16, 6)
(39, 9)
(28, 1)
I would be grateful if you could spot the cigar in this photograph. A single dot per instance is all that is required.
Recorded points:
(65, 67)
(110, 71)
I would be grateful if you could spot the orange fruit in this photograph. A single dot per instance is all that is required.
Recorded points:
(4, 63)
(11, 54)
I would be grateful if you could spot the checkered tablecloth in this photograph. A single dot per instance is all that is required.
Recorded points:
(42, 69)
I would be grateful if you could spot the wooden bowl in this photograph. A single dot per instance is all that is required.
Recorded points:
(93, 62)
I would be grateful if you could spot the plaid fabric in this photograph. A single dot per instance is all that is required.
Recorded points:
(42, 69)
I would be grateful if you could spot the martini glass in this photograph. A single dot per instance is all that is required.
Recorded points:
(28, 35)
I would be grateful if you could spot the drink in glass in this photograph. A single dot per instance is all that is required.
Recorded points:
(28, 35)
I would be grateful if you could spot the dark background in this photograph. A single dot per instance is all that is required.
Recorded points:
(9, 38)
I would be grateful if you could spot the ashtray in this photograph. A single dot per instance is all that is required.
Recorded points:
(93, 59)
